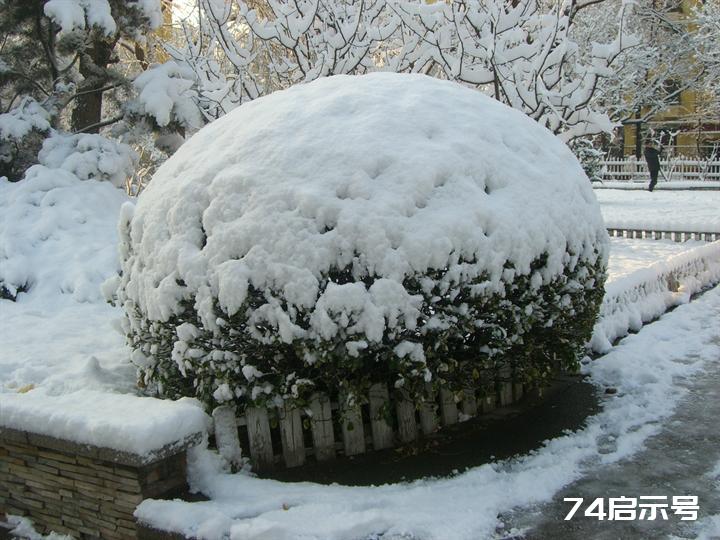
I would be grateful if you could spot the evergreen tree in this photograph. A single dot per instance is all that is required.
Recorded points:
(59, 69)
(589, 157)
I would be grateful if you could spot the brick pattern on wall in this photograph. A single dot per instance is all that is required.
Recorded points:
(79, 490)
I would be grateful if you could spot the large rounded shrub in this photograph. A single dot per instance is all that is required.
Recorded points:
(392, 228)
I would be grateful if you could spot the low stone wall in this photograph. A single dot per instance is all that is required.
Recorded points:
(85, 491)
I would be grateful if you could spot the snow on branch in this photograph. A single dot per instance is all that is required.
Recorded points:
(523, 53)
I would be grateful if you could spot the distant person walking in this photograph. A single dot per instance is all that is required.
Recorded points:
(652, 156)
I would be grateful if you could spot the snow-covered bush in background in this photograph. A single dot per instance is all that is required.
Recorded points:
(53, 224)
(55, 236)
(89, 156)
(392, 228)
(589, 157)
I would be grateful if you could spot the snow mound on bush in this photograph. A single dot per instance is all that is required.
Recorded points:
(391, 175)
(89, 156)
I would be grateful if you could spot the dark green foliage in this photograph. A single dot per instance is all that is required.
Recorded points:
(527, 330)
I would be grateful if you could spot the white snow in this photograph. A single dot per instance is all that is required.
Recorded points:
(58, 240)
(628, 255)
(661, 210)
(88, 156)
(390, 174)
(58, 234)
(73, 15)
(23, 528)
(58, 345)
(68, 14)
(29, 115)
(645, 294)
(645, 368)
(124, 422)
(165, 93)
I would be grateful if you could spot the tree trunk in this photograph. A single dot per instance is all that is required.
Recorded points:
(88, 105)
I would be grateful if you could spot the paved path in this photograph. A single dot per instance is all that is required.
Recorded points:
(677, 461)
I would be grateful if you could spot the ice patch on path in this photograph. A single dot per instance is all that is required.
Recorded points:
(708, 528)
(643, 367)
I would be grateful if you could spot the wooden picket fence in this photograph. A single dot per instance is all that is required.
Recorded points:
(676, 236)
(288, 437)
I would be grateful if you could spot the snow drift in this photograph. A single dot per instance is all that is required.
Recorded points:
(388, 227)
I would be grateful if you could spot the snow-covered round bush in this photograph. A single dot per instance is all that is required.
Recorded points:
(386, 227)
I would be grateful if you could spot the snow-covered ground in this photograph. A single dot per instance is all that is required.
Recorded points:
(58, 239)
(697, 211)
(627, 255)
(681, 459)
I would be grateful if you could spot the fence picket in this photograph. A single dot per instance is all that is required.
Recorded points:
(407, 425)
(469, 403)
(428, 413)
(518, 391)
(321, 425)
(353, 430)
(382, 434)
(488, 402)
(291, 434)
(226, 434)
(258, 426)
(505, 386)
(448, 407)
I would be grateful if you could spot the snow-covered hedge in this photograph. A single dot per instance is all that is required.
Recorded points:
(646, 294)
(391, 228)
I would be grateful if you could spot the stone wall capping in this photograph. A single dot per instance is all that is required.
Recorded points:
(77, 450)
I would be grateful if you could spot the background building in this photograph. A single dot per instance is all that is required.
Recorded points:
(689, 124)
